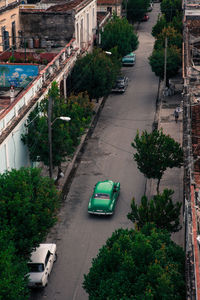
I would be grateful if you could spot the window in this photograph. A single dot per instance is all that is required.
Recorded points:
(13, 35)
(47, 257)
(102, 196)
(5, 38)
(35, 267)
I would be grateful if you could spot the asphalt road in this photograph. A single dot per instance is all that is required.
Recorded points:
(108, 155)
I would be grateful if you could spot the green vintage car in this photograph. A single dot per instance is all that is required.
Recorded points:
(104, 198)
(129, 59)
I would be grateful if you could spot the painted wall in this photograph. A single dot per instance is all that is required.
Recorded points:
(13, 152)
(17, 75)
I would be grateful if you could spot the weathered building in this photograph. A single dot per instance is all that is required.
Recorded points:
(9, 24)
(58, 24)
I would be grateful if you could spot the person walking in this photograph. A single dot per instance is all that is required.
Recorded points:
(176, 115)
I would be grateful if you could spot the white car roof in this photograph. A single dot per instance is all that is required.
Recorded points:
(38, 256)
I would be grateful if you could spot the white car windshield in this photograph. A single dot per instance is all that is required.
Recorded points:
(35, 267)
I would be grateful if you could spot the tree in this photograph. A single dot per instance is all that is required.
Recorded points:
(155, 153)
(157, 59)
(28, 204)
(134, 264)
(160, 210)
(136, 9)
(174, 38)
(95, 73)
(159, 26)
(13, 282)
(65, 135)
(170, 8)
(119, 33)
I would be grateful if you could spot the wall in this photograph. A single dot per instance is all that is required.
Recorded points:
(6, 19)
(57, 27)
(85, 25)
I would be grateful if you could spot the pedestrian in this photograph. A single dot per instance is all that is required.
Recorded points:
(176, 115)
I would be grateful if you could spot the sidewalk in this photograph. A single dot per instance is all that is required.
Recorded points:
(70, 165)
(173, 178)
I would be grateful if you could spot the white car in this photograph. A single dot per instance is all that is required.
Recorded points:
(40, 265)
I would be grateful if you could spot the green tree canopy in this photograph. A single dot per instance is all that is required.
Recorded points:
(160, 210)
(136, 9)
(28, 204)
(170, 8)
(119, 33)
(134, 264)
(13, 283)
(155, 153)
(174, 38)
(159, 26)
(65, 135)
(95, 73)
(157, 59)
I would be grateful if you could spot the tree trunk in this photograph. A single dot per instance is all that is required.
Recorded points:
(158, 183)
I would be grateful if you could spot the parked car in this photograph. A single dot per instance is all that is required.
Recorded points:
(150, 6)
(104, 198)
(40, 265)
(129, 59)
(120, 84)
(145, 18)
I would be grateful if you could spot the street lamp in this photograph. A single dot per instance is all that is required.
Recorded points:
(67, 119)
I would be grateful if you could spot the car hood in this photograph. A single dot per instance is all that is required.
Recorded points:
(35, 276)
(100, 203)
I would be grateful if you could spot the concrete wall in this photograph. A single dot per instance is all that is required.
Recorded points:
(85, 25)
(54, 26)
(13, 153)
(7, 18)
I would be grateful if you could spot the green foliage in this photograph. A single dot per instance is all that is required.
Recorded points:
(160, 210)
(94, 73)
(159, 26)
(142, 264)
(170, 8)
(136, 9)
(65, 135)
(174, 38)
(12, 59)
(155, 153)
(28, 203)
(157, 58)
(119, 33)
(13, 283)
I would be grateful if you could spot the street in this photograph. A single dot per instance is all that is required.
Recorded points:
(108, 155)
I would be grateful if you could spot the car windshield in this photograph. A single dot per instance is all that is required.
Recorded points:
(101, 196)
(35, 267)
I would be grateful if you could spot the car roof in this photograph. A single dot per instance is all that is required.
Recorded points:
(104, 187)
(39, 254)
(130, 54)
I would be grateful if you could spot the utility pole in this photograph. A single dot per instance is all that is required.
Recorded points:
(165, 66)
(50, 104)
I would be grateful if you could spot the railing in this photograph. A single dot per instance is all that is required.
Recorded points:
(53, 71)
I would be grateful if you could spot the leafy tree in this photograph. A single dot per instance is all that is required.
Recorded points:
(173, 38)
(65, 136)
(160, 210)
(28, 203)
(95, 73)
(136, 9)
(157, 58)
(170, 8)
(119, 33)
(134, 264)
(177, 22)
(13, 283)
(159, 26)
(155, 153)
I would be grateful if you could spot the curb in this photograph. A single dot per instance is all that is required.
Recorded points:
(65, 182)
